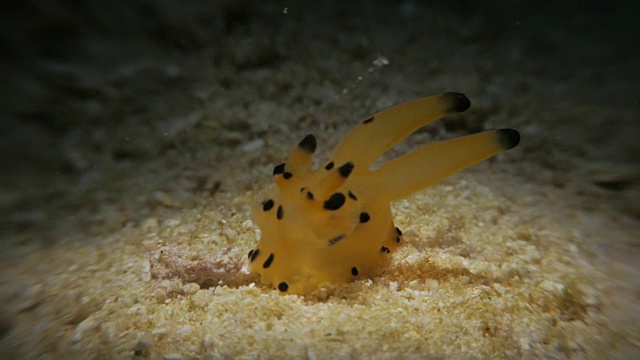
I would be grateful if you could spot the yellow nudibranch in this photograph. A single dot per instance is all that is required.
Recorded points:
(334, 224)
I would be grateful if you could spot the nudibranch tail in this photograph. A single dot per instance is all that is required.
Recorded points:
(434, 162)
(366, 142)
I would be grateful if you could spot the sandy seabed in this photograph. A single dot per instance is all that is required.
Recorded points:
(493, 266)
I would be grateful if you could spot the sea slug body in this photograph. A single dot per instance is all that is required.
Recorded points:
(334, 224)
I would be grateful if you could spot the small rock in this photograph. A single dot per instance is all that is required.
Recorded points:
(30, 298)
(167, 200)
(191, 288)
(614, 176)
(185, 330)
(87, 324)
(248, 224)
(252, 146)
(171, 357)
(146, 271)
(159, 295)
(150, 224)
(500, 289)
(141, 349)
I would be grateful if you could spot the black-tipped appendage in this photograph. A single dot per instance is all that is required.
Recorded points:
(279, 169)
(308, 144)
(457, 102)
(345, 170)
(508, 138)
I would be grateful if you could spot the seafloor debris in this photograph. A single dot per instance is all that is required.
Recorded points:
(175, 262)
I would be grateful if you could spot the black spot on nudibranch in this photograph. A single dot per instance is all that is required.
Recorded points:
(287, 175)
(267, 205)
(456, 102)
(508, 138)
(353, 197)
(309, 195)
(345, 170)
(397, 239)
(283, 286)
(385, 249)
(254, 254)
(368, 120)
(279, 169)
(336, 239)
(329, 166)
(250, 253)
(308, 144)
(354, 271)
(335, 202)
(364, 217)
(268, 262)
(280, 212)
(398, 231)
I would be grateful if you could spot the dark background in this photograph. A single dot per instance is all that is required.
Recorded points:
(105, 103)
